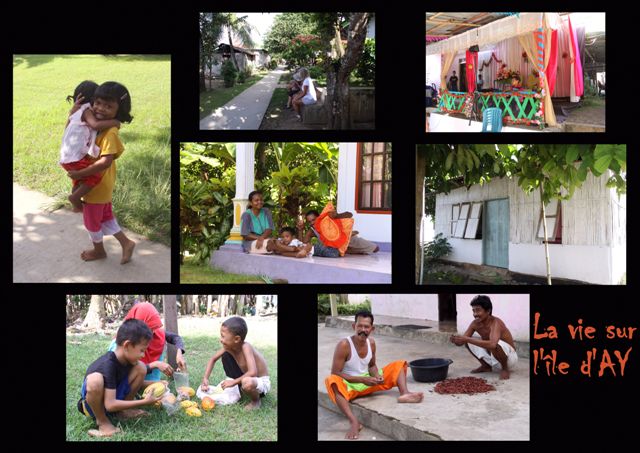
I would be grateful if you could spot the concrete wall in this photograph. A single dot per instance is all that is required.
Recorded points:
(593, 245)
(513, 309)
(375, 227)
(416, 306)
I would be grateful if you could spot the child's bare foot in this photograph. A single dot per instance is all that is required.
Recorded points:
(127, 251)
(482, 369)
(354, 431)
(91, 255)
(104, 430)
(253, 405)
(413, 397)
(75, 203)
(132, 413)
(505, 374)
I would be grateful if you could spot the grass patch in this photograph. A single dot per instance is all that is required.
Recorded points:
(593, 101)
(211, 100)
(277, 103)
(191, 272)
(224, 423)
(142, 198)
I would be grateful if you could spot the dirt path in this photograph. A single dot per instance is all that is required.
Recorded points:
(47, 247)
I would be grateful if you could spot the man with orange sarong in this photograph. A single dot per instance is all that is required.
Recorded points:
(354, 372)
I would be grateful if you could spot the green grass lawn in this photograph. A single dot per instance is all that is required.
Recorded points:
(191, 272)
(277, 103)
(224, 423)
(211, 100)
(142, 198)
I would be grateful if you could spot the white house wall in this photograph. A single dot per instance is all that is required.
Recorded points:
(513, 309)
(593, 245)
(374, 227)
(415, 306)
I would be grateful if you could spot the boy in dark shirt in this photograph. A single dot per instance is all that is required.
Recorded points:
(112, 381)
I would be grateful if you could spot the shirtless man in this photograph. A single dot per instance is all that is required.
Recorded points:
(494, 346)
(243, 363)
(354, 372)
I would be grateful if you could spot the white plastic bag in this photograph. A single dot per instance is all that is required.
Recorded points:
(230, 395)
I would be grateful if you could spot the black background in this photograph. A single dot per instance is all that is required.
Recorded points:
(569, 410)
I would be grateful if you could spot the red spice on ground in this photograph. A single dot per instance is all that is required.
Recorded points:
(468, 385)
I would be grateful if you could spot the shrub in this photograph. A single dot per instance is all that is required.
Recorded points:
(229, 73)
(316, 72)
(366, 68)
(437, 248)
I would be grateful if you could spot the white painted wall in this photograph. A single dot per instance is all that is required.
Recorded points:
(513, 309)
(416, 306)
(371, 28)
(433, 68)
(358, 298)
(374, 227)
(465, 250)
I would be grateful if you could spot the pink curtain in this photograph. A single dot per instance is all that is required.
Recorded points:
(577, 65)
(552, 67)
(472, 69)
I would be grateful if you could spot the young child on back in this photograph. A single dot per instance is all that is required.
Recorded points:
(242, 363)
(112, 380)
(288, 237)
(79, 148)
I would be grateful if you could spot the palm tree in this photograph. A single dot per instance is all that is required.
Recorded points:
(238, 27)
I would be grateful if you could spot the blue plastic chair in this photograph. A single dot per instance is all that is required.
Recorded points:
(492, 117)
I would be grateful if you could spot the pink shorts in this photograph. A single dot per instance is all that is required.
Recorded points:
(95, 214)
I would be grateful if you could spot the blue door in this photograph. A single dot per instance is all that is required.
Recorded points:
(495, 233)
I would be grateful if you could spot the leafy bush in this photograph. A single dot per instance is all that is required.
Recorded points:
(273, 64)
(366, 68)
(229, 73)
(437, 248)
(324, 307)
(316, 72)
(303, 50)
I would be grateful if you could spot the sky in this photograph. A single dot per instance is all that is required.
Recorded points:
(261, 22)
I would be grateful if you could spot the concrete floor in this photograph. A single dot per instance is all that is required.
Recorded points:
(333, 426)
(499, 415)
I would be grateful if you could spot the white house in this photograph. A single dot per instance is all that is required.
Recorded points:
(513, 309)
(498, 224)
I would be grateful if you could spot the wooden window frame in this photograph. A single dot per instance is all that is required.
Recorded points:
(478, 219)
(359, 181)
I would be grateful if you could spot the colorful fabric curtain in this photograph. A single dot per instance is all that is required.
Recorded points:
(577, 64)
(472, 70)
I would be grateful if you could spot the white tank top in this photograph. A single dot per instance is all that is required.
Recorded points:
(357, 366)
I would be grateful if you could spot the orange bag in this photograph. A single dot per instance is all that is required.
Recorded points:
(334, 232)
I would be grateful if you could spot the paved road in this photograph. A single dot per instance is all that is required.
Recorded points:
(47, 247)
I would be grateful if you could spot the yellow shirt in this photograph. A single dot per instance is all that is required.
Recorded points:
(109, 144)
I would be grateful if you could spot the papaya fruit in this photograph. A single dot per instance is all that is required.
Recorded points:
(187, 391)
(158, 389)
(193, 412)
(188, 404)
(207, 403)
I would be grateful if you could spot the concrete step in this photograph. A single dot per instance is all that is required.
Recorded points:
(333, 426)
(387, 425)
(583, 127)
(387, 325)
(374, 268)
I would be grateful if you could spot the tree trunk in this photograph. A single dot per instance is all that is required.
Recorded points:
(170, 309)
(343, 298)
(95, 315)
(203, 85)
(546, 241)
(224, 302)
(420, 174)
(69, 309)
(209, 303)
(231, 51)
(197, 305)
(240, 305)
(340, 69)
(333, 302)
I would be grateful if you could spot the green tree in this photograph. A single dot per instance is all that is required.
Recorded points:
(211, 25)
(555, 171)
(341, 60)
(237, 27)
(285, 28)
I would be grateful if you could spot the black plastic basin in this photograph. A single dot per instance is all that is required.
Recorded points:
(430, 370)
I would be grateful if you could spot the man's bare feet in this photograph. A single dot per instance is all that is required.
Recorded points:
(412, 397)
(105, 430)
(253, 405)
(127, 251)
(482, 369)
(354, 431)
(132, 413)
(505, 374)
(91, 255)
